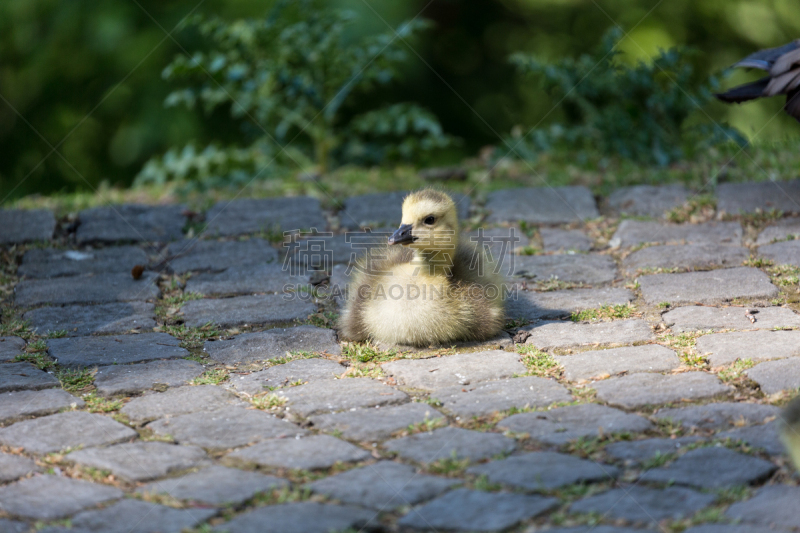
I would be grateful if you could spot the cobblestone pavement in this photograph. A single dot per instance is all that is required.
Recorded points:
(638, 385)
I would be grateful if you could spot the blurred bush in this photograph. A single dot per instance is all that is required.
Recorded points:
(287, 77)
(638, 112)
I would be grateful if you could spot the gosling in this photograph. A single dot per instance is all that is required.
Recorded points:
(427, 286)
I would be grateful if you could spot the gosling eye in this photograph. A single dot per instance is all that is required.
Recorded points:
(429, 220)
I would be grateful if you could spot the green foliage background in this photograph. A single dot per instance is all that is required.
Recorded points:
(89, 72)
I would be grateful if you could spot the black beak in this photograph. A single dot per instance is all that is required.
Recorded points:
(402, 235)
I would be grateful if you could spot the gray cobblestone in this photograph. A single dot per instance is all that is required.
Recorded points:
(545, 205)
(571, 268)
(777, 376)
(273, 343)
(64, 430)
(376, 424)
(304, 517)
(771, 506)
(782, 253)
(13, 467)
(783, 196)
(21, 225)
(713, 467)
(645, 505)
(719, 415)
(131, 223)
(725, 348)
(787, 228)
(25, 376)
(716, 286)
(132, 516)
(115, 349)
(634, 232)
(249, 279)
(132, 379)
(24, 404)
(51, 263)
(631, 359)
(140, 461)
(563, 424)
(86, 289)
(81, 320)
(692, 318)
(640, 451)
(179, 401)
(444, 443)
(460, 369)
(246, 310)
(51, 497)
(193, 255)
(561, 240)
(307, 453)
(287, 374)
(329, 396)
(239, 217)
(544, 471)
(229, 427)
(529, 305)
(647, 200)
(688, 256)
(639, 390)
(491, 396)
(568, 334)
(10, 347)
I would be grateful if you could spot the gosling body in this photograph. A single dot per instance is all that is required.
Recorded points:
(427, 286)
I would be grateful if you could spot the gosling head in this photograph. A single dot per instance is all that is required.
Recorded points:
(429, 223)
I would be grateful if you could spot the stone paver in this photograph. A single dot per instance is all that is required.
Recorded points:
(594, 529)
(307, 453)
(777, 376)
(771, 506)
(767, 195)
(24, 404)
(132, 379)
(305, 517)
(634, 232)
(52, 263)
(25, 376)
(725, 348)
(52, 497)
(10, 347)
(646, 358)
(375, 424)
(531, 305)
(492, 396)
(645, 505)
(329, 396)
(131, 223)
(229, 427)
(380, 209)
(65, 430)
(782, 253)
(571, 268)
(557, 240)
(688, 256)
(696, 317)
(787, 228)
(543, 471)
(215, 485)
(133, 516)
(383, 486)
(319, 252)
(80, 320)
(287, 374)
(195, 255)
(563, 424)
(86, 289)
(500, 242)
(474, 510)
(640, 451)
(647, 200)
(247, 310)
(273, 343)
(178, 401)
(444, 443)
(542, 205)
(26, 225)
(274, 214)
(730, 528)
(140, 461)
(460, 369)
(251, 279)
(115, 349)
(638, 390)
(719, 415)
(716, 286)
(14, 467)
(568, 334)
(714, 467)
(764, 437)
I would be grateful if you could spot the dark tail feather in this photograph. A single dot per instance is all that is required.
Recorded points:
(793, 104)
(746, 92)
(764, 59)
